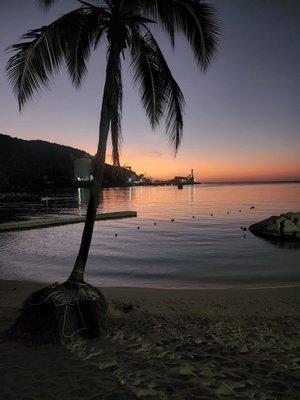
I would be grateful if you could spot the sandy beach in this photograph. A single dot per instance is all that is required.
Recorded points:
(164, 344)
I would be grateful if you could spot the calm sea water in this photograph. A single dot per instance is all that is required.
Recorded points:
(204, 251)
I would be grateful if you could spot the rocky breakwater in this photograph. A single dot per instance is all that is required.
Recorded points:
(286, 225)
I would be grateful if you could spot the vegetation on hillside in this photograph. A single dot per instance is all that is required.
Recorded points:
(32, 165)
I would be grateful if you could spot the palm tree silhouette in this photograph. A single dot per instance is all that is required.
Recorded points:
(124, 27)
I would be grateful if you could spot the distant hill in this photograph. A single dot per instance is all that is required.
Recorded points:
(29, 165)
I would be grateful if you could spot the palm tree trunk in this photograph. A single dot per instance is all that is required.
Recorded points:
(77, 274)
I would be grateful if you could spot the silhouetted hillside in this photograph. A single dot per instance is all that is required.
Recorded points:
(27, 165)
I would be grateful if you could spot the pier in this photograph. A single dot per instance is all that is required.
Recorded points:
(50, 222)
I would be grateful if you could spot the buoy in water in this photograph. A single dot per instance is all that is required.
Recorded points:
(172, 220)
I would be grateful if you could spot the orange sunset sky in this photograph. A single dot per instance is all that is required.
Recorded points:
(242, 117)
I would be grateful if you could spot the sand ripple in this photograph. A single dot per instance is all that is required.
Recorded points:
(161, 358)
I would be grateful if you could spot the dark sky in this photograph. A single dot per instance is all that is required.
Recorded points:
(242, 117)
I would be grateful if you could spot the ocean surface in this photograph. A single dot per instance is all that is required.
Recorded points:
(203, 247)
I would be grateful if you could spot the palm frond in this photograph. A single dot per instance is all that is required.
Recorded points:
(36, 60)
(87, 35)
(176, 102)
(116, 133)
(129, 6)
(116, 114)
(146, 72)
(45, 3)
(196, 19)
(115, 95)
(95, 4)
(162, 11)
(161, 94)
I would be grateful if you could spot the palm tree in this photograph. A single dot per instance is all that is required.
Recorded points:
(124, 27)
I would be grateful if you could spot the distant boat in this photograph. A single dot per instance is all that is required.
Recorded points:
(180, 187)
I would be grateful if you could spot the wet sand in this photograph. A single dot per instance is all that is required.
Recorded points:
(165, 344)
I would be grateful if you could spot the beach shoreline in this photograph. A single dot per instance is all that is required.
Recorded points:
(284, 299)
(164, 344)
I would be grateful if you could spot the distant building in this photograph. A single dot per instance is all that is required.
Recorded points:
(185, 180)
(83, 168)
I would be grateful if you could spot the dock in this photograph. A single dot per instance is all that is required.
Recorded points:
(50, 222)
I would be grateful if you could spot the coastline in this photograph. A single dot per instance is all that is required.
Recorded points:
(16, 196)
(237, 302)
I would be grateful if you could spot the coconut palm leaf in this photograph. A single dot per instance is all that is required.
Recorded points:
(116, 133)
(86, 37)
(175, 102)
(160, 92)
(69, 38)
(194, 18)
(146, 72)
(116, 98)
(36, 60)
(46, 4)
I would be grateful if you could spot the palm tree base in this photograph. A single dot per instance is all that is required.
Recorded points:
(58, 313)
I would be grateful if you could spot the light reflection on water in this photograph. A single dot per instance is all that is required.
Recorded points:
(189, 252)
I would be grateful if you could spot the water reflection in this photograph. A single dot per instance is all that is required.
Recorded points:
(188, 251)
(130, 194)
(192, 193)
(166, 202)
(80, 198)
(283, 242)
(112, 197)
(83, 195)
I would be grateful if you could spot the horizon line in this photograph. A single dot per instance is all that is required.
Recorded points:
(217, 181)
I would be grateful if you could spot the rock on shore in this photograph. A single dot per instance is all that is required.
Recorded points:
(284, 225)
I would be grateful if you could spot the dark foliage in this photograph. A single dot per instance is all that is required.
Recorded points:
(33, 165)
